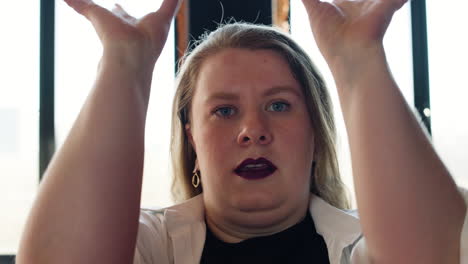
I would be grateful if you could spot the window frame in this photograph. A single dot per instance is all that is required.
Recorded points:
(47, 71)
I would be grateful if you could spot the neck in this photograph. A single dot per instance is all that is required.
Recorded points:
(240, 226)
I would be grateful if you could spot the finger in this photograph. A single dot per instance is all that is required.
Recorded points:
(387, 8)
(311, 3)
(394, 5)
(169, 8)
(311, 6)
(99, 16)
(87, 8)
(80, 5)
(316, 9)
(400, 3)
(118, 10)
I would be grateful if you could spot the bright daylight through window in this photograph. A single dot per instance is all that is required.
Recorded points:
(77, 55)
(19, 118)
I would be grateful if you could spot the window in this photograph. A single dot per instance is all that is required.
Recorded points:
(77, 54)
(449, 89)
(19, 119)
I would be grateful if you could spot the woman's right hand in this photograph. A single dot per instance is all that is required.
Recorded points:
(350, 28)
(137, 40)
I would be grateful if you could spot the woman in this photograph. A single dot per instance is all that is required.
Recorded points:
(251, 140)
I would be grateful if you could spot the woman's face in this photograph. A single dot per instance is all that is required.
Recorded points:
(253, 137)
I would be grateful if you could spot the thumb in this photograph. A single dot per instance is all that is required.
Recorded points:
(311, 6)
(79, 5)
(393, 5)
(83, 7)
(99, 16)
(169, 8)
(399, 3)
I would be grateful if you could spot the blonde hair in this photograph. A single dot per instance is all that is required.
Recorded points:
(326, 181)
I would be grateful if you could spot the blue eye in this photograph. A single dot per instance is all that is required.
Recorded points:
(225, 111)
(279, 107)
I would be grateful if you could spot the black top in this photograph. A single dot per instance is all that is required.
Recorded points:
(297, 244)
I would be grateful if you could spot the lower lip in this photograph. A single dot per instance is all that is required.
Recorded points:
(255, 175)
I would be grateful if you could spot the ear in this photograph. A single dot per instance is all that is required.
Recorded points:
(188, 132)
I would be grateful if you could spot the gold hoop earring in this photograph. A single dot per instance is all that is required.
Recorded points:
(195, 180)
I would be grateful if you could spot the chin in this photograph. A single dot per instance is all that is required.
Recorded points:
(257, 203)
(261, 214)
(260, 209)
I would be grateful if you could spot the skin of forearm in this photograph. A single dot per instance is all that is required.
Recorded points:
(409, 205)
(87, 207)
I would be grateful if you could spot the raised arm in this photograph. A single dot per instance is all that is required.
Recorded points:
(87, 207)
(410, 208)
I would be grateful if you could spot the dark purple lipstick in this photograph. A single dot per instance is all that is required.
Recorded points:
(252, 169)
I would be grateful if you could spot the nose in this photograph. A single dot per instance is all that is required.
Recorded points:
(254, 130)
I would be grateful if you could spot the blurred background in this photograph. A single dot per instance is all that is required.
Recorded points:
(49, 57)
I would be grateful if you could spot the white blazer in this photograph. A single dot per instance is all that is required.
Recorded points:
(177, 234)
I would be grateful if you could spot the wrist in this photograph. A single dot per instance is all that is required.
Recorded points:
(359, 65)
(122, 72)
(127, 66)
(129, 58)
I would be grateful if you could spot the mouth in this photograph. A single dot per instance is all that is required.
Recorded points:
(254, 169)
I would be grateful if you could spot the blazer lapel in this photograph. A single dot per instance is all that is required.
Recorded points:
(186, 228)
(338, 228)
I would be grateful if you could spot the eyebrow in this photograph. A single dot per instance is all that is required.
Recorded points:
(272, 91)
(282, 89)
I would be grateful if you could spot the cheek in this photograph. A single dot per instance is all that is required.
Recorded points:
(215, 145)
(216, 136)
(296, 143)
(295, 131)
(216, 158)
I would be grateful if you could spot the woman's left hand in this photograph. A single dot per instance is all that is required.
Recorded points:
(345, 27)
(388, 167)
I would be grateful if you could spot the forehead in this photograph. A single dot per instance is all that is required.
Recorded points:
(244, 70)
